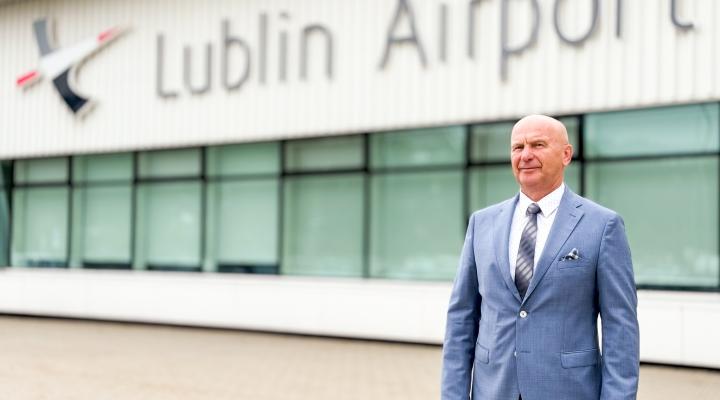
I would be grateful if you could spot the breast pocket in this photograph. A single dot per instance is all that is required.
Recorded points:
(575, 280)
(579, 264)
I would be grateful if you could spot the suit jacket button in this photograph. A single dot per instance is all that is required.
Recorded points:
(523, 314)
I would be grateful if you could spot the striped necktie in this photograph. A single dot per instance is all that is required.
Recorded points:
(526, 251)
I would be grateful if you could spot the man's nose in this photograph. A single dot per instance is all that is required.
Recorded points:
(527, 153)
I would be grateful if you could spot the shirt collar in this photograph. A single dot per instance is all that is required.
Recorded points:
(547, 204)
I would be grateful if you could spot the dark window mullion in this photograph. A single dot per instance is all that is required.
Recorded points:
(281, 206)
(170, 179)
(10, 190)
(338, 171)
(652, 157)
(103, 183)
(133, 208)
(367, 207)
(69, 183)
(56, 184)
(241, 178)
(203, 207)
(683, 288)
(420, 169)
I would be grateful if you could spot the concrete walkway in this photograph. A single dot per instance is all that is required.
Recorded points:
(78, 360)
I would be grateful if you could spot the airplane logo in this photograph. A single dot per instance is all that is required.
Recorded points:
(60, 64)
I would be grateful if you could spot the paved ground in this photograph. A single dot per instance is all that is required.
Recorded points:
(60, 359)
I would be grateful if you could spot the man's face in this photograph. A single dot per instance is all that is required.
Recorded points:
(539, 154)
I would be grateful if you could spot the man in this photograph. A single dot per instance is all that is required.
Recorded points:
(535, 272)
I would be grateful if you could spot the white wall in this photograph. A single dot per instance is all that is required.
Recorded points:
(675, 327)
(652, 63)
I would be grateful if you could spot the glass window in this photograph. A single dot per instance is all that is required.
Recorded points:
(40, 227)
(323, 225)
(670, 209)
(101, 239)
(103, 168)
(41, 170)
(326, 153)
(420, 147)
(5, 173)
(5, 176)
(572, 177)
(417, 225)
(666, 130)
(168, 226)
(494, 183)
(243, 226)
(572, 125)
(491, 142)
(243, 159)
(169, 163)
(490, 185)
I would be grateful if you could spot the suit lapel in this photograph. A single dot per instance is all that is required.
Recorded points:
(501, 238)
(569, 214)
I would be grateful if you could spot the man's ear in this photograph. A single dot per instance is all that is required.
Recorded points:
(567, 154)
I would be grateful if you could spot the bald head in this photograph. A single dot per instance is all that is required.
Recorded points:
(545, 123)
(540, 151)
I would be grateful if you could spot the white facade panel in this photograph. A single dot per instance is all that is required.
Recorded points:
(650, 62)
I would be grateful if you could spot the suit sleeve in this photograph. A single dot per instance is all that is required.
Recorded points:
(462, 325)
(617, 298)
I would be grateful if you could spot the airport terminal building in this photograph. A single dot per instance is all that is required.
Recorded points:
(309, 166)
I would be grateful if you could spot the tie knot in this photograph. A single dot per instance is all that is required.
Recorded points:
(533, 209)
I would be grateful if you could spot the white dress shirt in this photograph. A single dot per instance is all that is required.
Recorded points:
(548, 207)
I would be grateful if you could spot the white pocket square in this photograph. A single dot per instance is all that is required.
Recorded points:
(572, 255)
